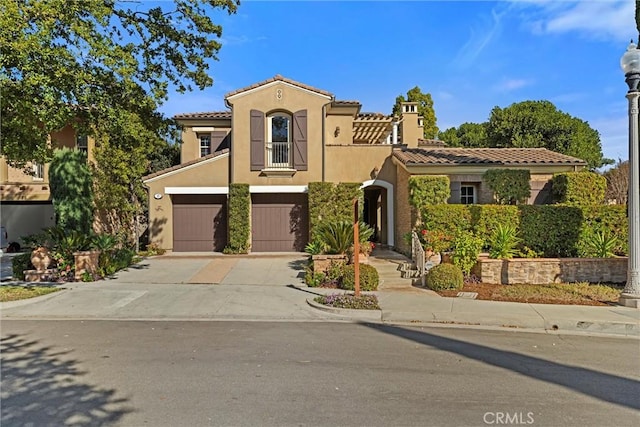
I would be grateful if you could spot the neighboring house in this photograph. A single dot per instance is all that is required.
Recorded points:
(279, 135)
(25, 198)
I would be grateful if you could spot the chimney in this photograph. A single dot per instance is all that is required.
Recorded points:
(411, 125)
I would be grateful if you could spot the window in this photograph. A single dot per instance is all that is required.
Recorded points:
(205, 144)
(82, 143)
(38, 171)
(279, 141)
(467, 194)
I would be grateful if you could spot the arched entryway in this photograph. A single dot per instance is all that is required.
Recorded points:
(378, 210)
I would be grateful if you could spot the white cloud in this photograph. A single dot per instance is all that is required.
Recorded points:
(508, 85)
(606, 20)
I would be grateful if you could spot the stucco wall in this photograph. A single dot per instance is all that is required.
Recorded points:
(345, 123)
(211, 173)
(356, 163)
(190, 148)
(403, 214)
(264, 99)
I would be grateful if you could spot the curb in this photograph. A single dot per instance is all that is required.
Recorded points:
(21, 302)
(371, 315)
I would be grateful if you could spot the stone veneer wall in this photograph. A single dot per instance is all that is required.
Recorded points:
(540, 271)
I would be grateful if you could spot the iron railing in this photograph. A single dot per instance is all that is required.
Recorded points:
(418, 256)
(279, 155)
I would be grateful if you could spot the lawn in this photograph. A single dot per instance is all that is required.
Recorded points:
(553, 293)
(14, 293)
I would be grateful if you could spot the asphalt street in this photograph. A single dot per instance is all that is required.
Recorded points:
(136, 373)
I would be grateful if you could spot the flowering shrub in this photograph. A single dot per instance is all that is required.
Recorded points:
(363, 302)
(434, 241)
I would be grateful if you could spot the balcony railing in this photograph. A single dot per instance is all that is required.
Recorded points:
(279, 155)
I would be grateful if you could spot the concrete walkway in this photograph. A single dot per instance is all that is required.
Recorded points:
(271, 287)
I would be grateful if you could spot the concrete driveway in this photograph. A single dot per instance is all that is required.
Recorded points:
(185, 287)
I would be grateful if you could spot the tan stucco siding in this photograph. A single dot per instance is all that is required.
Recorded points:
(265, 99)
(190, 148)
(344, 133)
(403, 215)
(357, 163)
(213, 173)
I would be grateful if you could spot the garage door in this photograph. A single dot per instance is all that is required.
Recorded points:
(199, 223)
(279, 222)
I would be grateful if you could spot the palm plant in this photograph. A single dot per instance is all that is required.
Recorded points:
(337, 237)
(503, 242)
(601, 244)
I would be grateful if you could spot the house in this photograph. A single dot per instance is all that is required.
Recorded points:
(25, 199)
(279, 135)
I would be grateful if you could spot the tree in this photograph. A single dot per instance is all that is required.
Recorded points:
(466, 135)
(425, 109)
(71, 190)
(83, 62)
(618, 182)
(532, 124)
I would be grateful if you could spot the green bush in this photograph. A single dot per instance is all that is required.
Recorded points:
(362, 302)
(20, 263)
(239, 219)
(486, 218)
(331, 203)
(428, 190)
(608, 219)
(119, 259)
(368, 278)
(337, 237)
(444, 277)
(578, 188)
(552, 230)
(465, 250)
(504, 242)
(600, 244)
(446, 219)
(509, 186)
(313, 279)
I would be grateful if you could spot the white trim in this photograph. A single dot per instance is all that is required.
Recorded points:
(273, 83)
(196, 190)
(278, 188)
(390, 219)
(173, 172)
(203, 128)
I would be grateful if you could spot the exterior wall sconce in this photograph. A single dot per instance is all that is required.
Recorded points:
(374, 172)
(337, 131)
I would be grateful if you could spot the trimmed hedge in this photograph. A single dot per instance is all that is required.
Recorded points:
(578, 188)
(486, 218)
(332, 203)
(510, 186)
(447, 219)
(369, 278)
(428, 190)
(239, 219)
(444, 277)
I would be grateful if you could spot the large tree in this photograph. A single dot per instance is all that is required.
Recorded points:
(425, 109)
(88, 62)
(466, 135)
(532, 124)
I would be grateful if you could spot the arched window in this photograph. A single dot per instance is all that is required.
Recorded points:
(279, 141)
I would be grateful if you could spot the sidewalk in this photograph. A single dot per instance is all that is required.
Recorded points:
(401, 302)
(271, 288)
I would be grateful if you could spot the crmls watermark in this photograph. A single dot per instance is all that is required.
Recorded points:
(508, 418)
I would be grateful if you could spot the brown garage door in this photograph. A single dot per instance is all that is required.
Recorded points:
(199, 223)
(279, 222)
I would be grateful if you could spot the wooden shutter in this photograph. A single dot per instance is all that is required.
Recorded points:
(256, 128)
(300, 140)
(455, 192)
(216, 140)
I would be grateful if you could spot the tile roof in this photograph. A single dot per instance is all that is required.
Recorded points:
(205, 115)
(279, 78)
(431, 143)
(369, 116)
(343, 102)
(488, 156)
(183, 165)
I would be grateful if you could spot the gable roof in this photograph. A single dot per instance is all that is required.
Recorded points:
(204, 115)
(186, 164)
(484, 156)
(279, 78)
(431, 143)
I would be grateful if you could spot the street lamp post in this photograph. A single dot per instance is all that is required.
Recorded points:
(630, 64)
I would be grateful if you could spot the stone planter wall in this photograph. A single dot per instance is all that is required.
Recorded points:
(86, 262)
(540, 271)
(321, 263)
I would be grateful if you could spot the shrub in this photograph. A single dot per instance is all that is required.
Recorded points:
(510, 186)
(368, 278)
(239, 219)
(362, 302)
(578, 188)
(20, 263)
(465, 250)
(600, 244)
(444, 277)
(551, 229)
(503, 242)
(447, 219)
(314, 279)
(329, 202)
(486, 218)
(428, 190)
(119, 259)
(337, 237)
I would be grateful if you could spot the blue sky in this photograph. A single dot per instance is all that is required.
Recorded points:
(470, 55)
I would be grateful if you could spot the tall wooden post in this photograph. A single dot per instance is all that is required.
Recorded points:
(356, 247)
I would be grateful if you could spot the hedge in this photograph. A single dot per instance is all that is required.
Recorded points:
(330, 202)
(510, 186)
(578, 188)
(485, 219)
(428, 190)
(239, 219)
